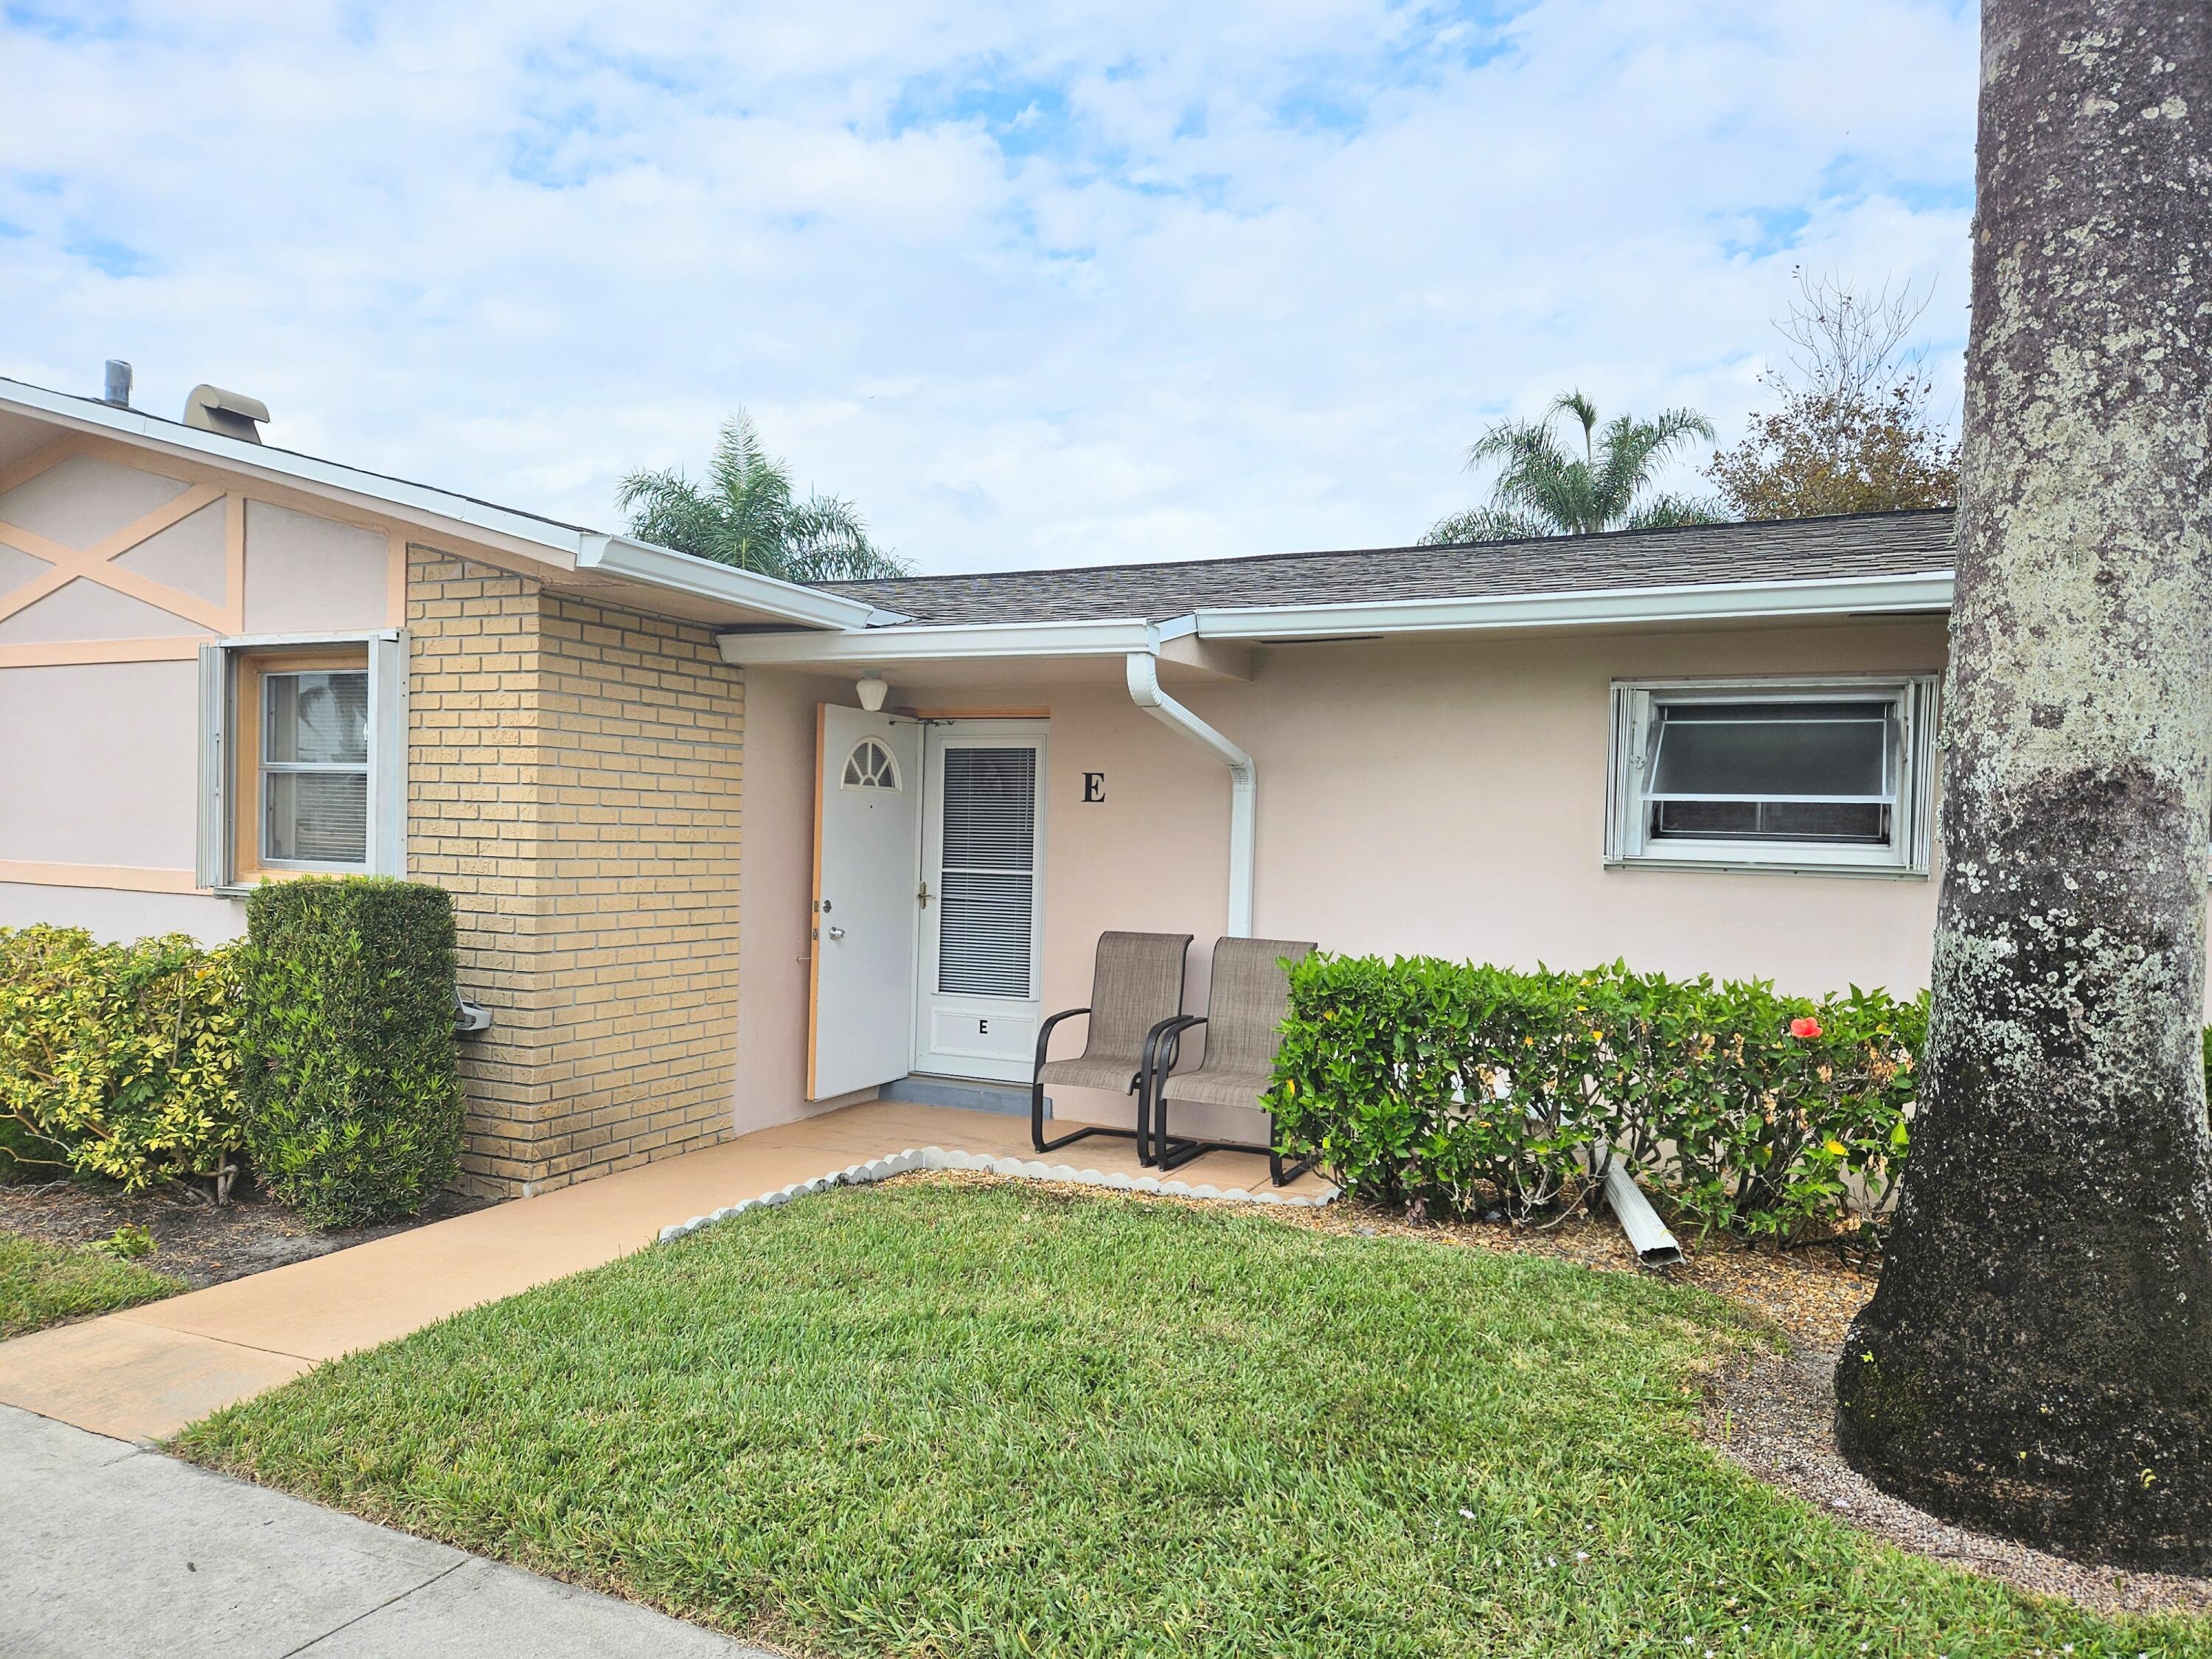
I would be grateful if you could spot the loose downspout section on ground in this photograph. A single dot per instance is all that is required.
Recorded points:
(1647, 1237)
(1244, 780)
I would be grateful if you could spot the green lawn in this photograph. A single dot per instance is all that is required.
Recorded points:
(43, 1284)
(931, 1420)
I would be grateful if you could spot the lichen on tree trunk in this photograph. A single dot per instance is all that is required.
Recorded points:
(2037, 1360)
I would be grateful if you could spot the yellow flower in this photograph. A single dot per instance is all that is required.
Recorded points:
(1836, 1147)
(1597, 1036)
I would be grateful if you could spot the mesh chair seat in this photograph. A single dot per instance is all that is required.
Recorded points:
(1136, 981)
(1248, 1001)
(1084, 1073)
(1207, 1087)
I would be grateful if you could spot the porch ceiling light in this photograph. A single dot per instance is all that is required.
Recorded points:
(873, 689)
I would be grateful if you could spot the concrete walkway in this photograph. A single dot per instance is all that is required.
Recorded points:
(113, 1550)
(143, 1374)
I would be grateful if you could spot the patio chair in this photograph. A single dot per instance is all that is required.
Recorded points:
(1245, 1008)
(1136, 985)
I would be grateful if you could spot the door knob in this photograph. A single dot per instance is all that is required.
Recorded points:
(836, 933)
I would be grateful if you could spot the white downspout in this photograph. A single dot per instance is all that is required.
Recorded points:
(1244, 780)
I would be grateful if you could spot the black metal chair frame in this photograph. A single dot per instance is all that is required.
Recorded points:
(1141, 1134)
(1037, 1096)
(1162, 1046)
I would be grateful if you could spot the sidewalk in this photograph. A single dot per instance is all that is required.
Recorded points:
(113, 1550)
(143, 1374)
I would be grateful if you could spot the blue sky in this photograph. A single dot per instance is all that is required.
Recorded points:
(1033, 284)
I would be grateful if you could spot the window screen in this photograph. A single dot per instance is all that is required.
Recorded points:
(314, 768)
(987, 875)
(1772, 771)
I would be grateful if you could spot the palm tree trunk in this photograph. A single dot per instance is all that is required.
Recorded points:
(2039, 1357)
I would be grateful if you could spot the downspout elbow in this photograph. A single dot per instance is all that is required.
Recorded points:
(1144, 678)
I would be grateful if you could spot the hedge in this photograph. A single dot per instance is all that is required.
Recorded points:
(1448, 1088)
(353, 1096)
(118, 1060)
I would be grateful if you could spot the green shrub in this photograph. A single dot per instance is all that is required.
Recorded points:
(126, 1243)
(1444, 1088)
(352, 1092)
(118, 1061)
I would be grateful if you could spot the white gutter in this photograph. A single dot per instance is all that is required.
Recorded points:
(1244, 780)
(682, 572)
(617, 556)
(1690, 602)
(885, 646)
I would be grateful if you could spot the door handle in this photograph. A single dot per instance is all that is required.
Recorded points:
(836, 933)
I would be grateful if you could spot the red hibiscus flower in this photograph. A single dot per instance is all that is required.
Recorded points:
(1804, 1026)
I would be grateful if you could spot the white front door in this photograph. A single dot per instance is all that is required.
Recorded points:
(982, 899)
(868, 819)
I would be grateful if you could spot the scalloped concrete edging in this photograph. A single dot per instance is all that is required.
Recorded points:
(936, 1158)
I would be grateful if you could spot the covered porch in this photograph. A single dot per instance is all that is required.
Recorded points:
(1398, 777)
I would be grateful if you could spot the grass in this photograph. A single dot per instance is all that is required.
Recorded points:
(938, 1420)
(43, 1284)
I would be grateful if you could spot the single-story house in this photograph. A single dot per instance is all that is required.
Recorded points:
(726, 851)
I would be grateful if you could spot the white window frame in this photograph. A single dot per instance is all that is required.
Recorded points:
(220, 716)
(1628, 841)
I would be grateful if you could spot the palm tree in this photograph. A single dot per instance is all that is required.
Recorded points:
(746, 516)
(1543, 489)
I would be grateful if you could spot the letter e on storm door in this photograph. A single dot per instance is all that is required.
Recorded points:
(868, 806)
(983, 917)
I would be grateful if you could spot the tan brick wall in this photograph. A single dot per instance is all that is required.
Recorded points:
(575, 781)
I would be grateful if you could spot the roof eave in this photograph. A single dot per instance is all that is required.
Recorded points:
(953, 641)
(1778, 601)
(761, 598)
(682, 572)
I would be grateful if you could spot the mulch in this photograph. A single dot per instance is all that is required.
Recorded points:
(201, 1243)
(1774, 1416)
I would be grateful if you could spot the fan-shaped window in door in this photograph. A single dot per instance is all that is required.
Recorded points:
(870, 766)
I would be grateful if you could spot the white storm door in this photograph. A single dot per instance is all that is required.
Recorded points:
(982, 916)
(867, 826)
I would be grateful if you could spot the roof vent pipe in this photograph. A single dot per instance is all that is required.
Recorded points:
(117, 388)
(1244, 780)
(234, 415)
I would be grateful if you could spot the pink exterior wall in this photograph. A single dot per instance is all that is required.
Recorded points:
(99, 688)
(1444, 799)
(776, 884)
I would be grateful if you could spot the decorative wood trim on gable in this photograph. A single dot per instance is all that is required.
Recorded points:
(123, 877)
(69, 654)
(29, 466)
(205, 485)
(96, 563)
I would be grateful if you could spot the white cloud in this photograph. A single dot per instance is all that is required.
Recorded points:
(1032, 284)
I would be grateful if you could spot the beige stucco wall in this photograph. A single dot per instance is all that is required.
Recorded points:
(112, 912)
(1444, 798)
(101, 764)
(98, 697)
(778, 888)
(305, 574)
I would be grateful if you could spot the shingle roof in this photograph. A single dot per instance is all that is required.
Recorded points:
(1804, 549)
